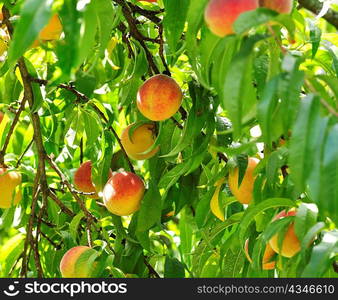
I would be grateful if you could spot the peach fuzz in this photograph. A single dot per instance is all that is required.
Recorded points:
(290, 244)
(9, 193)
(72, 266)
(159, 98)
(123, 193)
(281, 6)
(220, 15)
(83, 179)
(142, 139)
(244, 192)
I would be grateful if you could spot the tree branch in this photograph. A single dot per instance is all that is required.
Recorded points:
(315, 6)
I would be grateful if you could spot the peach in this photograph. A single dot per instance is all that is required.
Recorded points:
(159, 98)
(10, 194)
(220, 15)
(52, 30)
(244, 192)
(1, 116)
(83, 179)
(123, 193)
(142, 139)
(290, 244)
(267, 261)
(74, 263)
(281, 6)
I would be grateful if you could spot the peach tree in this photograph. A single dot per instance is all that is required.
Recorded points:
(168, 138)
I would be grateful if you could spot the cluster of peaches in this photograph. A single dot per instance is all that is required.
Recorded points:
(158, 99)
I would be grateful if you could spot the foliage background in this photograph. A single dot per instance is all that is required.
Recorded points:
(68, 101)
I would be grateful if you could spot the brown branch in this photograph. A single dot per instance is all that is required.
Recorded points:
(149, 14)
(11, 130)
(70, 188)
(35, 248)
(62, 206)
(161, 50)
(315, 6)
(23, 153)
(55, 245)
(151, 270)
(136, 34)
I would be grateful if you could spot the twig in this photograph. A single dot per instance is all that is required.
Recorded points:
(56, 246)
(136, 34)
(101, 114)
(315, 6)
(150, 268)
(23, 153)
(62, 206)
(11, 130)
(161, 50)
(70, 188)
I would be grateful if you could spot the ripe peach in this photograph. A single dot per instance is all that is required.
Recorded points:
(142, 139)
(281, 6)
(220, 15)
(267, 262)
(74, 263)
(290, 245)
(52, 30)
(83, 179)
(9, 192)
(243, 193)
(1, 116)
(123, 193)
(159, 98)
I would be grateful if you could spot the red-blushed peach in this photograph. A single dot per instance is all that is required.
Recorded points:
(159, 98)
(290, 245)
(141, 140)
(1, 116)
(74, 263)
(220, 15)
(244, 192)
(10, 193)
(83, 179)
(123, 193)
(267, 261)
(281, 6)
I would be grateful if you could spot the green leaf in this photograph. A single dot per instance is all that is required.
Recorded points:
(321, 255)
(253, 18)
(306, 217)
(328, 199)
(174, 20)
(173, 268)
(34, 15)
(238, 94)
(304, 141)
(151, 207)
(74, 226)
(253, 210)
